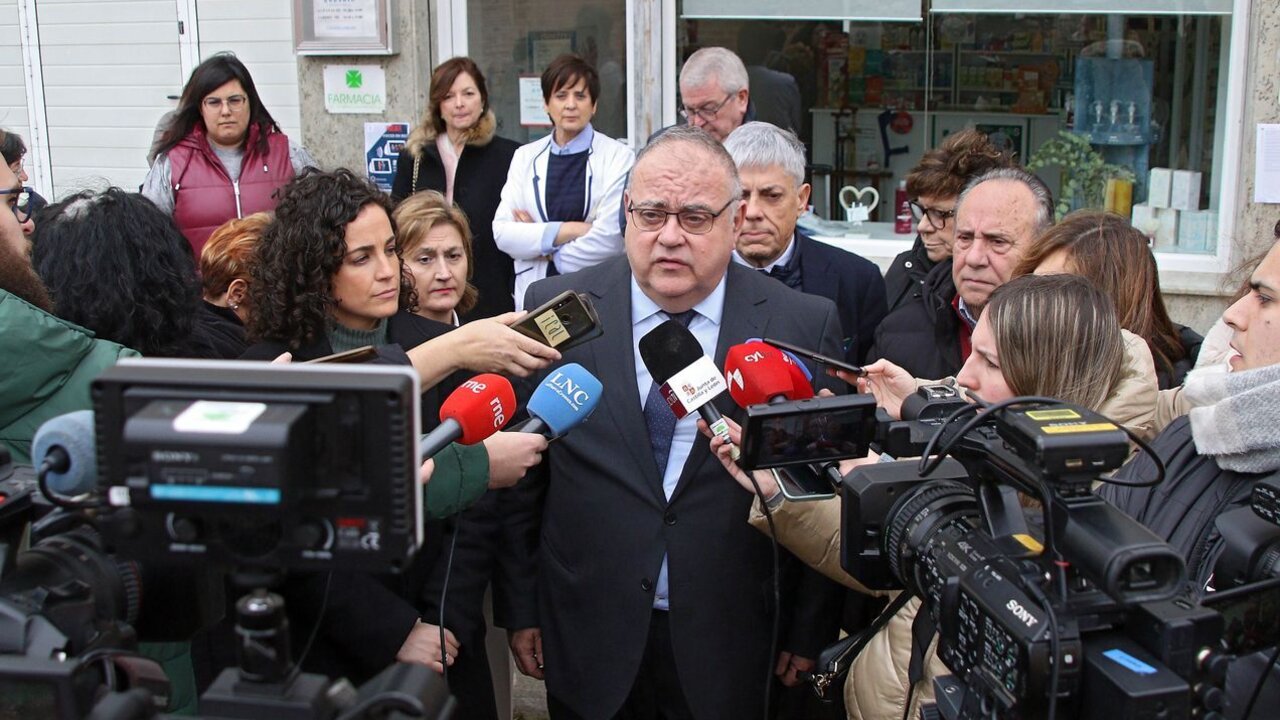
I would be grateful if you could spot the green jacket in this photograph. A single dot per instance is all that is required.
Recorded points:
(48, 364)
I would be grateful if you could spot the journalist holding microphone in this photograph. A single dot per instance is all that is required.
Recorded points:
(1014, 353)
(355, 292)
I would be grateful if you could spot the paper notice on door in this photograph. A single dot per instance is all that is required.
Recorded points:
(1266, 174)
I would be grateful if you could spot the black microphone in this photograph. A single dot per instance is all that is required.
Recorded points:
(688, 379)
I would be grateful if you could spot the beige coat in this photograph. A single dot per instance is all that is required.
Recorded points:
(876, 688)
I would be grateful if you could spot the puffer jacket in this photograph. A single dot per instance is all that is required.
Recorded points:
(922, 335)
(876, 687)
(49, 364)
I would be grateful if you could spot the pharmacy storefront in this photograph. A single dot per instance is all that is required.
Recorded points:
(1139, 111)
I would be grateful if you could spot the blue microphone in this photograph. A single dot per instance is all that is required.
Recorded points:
(66, 444)
(566, 397)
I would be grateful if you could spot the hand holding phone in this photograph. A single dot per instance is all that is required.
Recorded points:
(566, 320)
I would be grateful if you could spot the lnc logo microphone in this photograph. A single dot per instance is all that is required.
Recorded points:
(572, 392)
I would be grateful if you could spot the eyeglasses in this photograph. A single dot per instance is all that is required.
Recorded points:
(696, 222)
(938, 218)
(235, 102)
(20, 203)
(706, 113)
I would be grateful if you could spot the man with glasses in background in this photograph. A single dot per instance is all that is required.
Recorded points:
(715, 92)
(631, 578)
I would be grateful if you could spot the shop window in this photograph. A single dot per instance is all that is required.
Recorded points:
(518, 38)
(1143, 92)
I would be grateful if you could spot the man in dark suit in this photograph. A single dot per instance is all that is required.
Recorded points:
(631, 578)
(771, 164)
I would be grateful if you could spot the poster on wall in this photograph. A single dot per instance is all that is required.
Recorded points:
(547, 45)
(345, 18)
(533, 112)
(382, 145)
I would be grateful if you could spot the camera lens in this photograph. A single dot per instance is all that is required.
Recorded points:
(916, 519)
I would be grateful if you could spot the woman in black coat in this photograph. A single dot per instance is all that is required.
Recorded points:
(456, 152)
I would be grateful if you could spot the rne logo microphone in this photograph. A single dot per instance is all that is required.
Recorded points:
(474, 387)
(499, 416)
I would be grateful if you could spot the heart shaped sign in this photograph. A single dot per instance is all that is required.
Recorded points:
(851, 197)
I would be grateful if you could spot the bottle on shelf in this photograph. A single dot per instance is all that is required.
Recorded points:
(903, 222)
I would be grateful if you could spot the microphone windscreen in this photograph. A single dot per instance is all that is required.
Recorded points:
(757, 373)
(481, 405)
(801, 387)
(668, 349)
(73, 432)
(565, 398)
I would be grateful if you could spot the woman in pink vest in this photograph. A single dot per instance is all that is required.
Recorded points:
(223, 156)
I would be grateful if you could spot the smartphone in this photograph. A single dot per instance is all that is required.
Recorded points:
(820, 359)
(566, 320)
(359, 355)
(803, 432)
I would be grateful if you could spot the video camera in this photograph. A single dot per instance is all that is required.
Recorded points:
(1045, 598)
(203, 470)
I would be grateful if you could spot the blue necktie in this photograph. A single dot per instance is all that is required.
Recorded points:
(657, 413)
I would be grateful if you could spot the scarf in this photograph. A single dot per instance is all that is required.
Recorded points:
(1238, 421)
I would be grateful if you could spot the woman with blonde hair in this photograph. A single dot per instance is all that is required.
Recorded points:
(1017, 350)
(434, 240)
(457, 152)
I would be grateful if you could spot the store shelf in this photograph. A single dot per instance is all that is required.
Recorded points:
(1002, 53)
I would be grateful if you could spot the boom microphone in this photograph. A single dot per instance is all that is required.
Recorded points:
(688, 379)
(479, 408)
(66, 443)
(565, 399)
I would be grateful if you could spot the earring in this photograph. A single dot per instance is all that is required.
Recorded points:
(234, 306)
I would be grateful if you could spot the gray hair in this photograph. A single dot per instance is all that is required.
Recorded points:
(715, 63)
(762, 145)
(699, 138)
(1032, 182)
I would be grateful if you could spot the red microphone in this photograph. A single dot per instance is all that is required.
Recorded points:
(479, 408)
(757, 373)
(801, 388)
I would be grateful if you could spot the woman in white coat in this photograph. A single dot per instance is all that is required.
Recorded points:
(559, 209)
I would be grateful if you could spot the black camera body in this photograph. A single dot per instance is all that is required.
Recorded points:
(1040, 591)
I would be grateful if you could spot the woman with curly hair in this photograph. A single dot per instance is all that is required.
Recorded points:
(457, 152)
(934, 186)
(327, 279)
(222, 155)
(118, 266)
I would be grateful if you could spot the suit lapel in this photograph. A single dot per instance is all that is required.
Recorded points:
(744, 316)
(815, 277)
(615, 364)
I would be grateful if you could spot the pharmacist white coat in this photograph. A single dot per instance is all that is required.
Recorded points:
(607, 169)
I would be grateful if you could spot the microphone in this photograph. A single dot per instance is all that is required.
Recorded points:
(757, 374)
(565, 399)
(65, 444)
(688, 379)
(479, 408)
